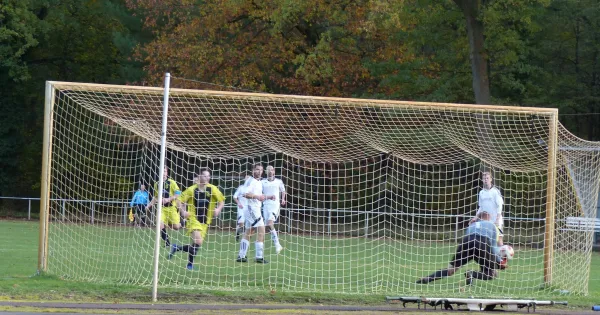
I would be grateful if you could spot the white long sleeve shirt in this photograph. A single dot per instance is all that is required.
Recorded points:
(490, 201)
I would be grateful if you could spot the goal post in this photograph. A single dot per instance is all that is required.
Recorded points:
(45, 183)
(379, 192)
(550, 199)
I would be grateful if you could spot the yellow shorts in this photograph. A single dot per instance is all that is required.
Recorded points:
(194, 225)
(170, 215)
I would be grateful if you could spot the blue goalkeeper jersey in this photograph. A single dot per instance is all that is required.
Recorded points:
(487, 229)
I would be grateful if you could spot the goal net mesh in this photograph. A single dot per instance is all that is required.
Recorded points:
(379, 192)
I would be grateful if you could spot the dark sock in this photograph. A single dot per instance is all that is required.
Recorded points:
(481, 276)
(165, 236)
(438, 274)
(192, 250)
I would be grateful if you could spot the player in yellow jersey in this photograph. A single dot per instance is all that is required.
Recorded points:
(199, 204)
(169, 215)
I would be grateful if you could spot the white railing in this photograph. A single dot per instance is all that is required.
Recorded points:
(369, 214)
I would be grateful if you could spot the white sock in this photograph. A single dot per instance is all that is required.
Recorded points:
(244, 244)
(260, 247)
(274, 238)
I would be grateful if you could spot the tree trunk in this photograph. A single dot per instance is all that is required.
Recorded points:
(479, 68)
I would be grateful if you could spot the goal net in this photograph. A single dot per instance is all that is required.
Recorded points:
(379, 193)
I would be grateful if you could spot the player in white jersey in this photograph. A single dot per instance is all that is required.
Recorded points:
(253, 216)
(274, 190)
(490, 201)
(242, 204)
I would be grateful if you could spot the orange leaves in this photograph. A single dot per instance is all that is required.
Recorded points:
(285, 46)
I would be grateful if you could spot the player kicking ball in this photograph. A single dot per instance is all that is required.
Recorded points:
(480, 243)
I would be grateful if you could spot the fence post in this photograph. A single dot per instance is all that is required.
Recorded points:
(29, 210)
(329, 222)
(366, 224)
(456, 228)
(289, 226)
(92, 216)
(412, 229)
(125, 214)
(64, 202)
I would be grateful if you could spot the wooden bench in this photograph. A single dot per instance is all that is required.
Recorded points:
(582, 224)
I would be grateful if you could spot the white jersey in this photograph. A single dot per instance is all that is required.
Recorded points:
(273, 188)
(253, 215)
(253, 186)
(490, 201)
(239, 194)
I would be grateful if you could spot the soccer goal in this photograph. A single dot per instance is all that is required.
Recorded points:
(379, 193)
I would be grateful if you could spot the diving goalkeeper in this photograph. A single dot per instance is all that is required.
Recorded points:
(480, 243)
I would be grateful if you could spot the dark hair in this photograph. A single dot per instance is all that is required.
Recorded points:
(484, 215)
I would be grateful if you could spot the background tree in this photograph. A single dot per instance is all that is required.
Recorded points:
(68, 40)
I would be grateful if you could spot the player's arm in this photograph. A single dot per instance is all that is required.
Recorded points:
(500, 203)
(283, 194)
(220, 202)
(251, 195)
(133, 199)
(154, 198)
(182, 202)
(236, 200)
(476, 217)
(259, 197)
(175, 195)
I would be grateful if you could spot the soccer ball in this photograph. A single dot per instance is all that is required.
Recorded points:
(506, 251)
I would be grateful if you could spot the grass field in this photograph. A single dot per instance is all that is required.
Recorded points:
(308, 271)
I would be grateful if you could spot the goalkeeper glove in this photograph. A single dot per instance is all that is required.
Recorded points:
(504, 263)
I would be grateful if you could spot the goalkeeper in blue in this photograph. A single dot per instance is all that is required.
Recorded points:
(199, 203)
(480, 243)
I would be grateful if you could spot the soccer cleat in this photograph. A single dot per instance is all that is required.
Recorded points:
(469, 277)
(278, 249)
(190, 266)
(241, 259)
(173, 251)
(425, 280)
(261, 261)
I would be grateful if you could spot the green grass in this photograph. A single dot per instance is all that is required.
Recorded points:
(88, 262)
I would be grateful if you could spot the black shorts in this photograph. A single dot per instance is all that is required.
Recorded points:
(478, 248)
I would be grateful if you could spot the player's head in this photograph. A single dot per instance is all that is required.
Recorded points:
(203, 176)
(166, 173)
(142, 187)
(486, 178)
(257, 170)
(270, 171)
(484, 216)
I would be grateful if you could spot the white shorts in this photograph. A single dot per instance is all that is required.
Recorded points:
(271, 212)
(240, 215)
(270, 216)
(253, 218)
